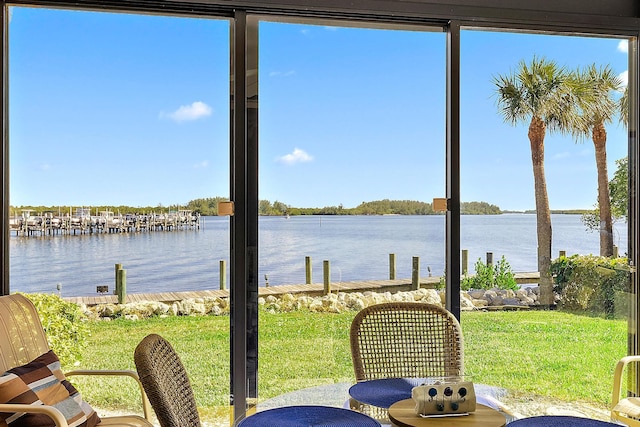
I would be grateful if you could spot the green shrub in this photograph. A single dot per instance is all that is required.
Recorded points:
(64, 324)
(592, 284)
(490, 276)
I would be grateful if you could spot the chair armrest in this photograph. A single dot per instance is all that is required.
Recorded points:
(50, 411)
(617, 377)
(146, 406)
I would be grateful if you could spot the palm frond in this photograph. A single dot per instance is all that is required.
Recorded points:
(623, 107)
(598, 88)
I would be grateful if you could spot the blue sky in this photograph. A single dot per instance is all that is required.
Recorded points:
(117, 109)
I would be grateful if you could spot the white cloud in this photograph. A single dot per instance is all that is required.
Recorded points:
(624, 77)
(623, 46)
(195, 111)
(201, 165)
(297, 156)
(44, 167)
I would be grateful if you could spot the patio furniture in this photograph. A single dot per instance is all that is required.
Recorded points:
(23, 342)
(403, 340)
(560, 421)
(625, 409)
(402, 414)
(308, 415)
(166, 383)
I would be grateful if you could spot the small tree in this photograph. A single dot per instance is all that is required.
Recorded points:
(619, 194)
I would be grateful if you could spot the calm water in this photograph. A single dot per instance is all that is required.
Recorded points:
(357, 246)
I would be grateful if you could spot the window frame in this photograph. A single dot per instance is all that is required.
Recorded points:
(621, 18)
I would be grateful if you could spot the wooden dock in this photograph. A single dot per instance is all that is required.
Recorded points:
(314, 289)
(49, 224)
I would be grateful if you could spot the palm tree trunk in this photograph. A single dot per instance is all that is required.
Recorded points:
(599, 136)
(537, 130)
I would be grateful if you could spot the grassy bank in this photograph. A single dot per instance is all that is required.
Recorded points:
(550, 353)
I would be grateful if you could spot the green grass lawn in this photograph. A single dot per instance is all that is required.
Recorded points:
(550, 353)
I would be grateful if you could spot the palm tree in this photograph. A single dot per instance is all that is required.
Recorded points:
(542, 94)
(597, 108)
(623, 107)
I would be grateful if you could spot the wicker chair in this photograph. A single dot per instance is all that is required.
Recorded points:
(625, 409)
(22, 339)
(405, 340)
(166, 382)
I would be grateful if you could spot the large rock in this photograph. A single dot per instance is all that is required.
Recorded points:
(465, 302)
(332, 303)
(476, 293)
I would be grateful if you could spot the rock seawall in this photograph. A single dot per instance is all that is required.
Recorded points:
(332, 303)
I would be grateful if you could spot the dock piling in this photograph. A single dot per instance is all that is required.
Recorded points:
(392, 266)
(121, 284)
(307, 270)
(326, 273)
(223, 274)
(415, 273)
(465, 261)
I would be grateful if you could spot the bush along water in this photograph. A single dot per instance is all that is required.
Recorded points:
(489, 276)
(64, 324)
(594, 284)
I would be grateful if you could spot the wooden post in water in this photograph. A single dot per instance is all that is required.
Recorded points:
(392, 266)
(465, 261)
(121, 284)
(223, 274)
(415, 273)
(489, 258)
(307, 270)
(326, 273)
(116, 290)
(562, 253)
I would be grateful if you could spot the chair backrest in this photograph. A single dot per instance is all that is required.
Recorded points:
(166, 383)
(406, 340)
(22, 337)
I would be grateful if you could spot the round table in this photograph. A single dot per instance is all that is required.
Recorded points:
(308, 416)
(560, 421)
(403, 414)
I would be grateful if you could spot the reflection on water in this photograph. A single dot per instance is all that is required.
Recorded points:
(358, 248)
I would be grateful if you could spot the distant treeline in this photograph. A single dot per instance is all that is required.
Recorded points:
(209, 206)
(378, 207)
(556, 211)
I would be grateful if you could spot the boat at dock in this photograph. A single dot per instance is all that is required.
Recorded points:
(82, 222)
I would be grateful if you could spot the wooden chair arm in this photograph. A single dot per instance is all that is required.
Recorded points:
(50, 411)
(146, 406)
(617, 377)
